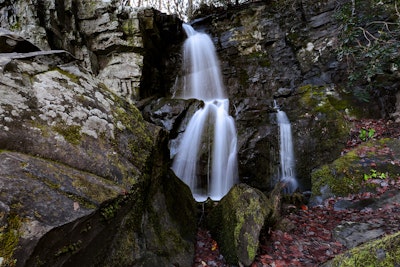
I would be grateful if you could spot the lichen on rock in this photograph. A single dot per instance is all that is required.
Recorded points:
(236, 223)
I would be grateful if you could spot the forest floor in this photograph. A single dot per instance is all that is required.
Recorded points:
(308, 238)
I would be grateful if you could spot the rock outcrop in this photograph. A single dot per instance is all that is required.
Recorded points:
(79, 162)
(287, 52)
(84, 179)
(129, 50)
(384, 251)
(274, 52)
(267, 54)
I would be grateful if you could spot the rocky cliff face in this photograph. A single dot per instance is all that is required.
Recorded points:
(286, 51)
(269, 54)
(84, 179)
(116, 43)
(84, 176)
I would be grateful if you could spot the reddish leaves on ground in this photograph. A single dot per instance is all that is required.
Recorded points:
(207, 252)
(382, 129)
(310, 242)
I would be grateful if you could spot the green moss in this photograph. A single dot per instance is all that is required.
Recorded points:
(16, 26)
(71, 133)
(51, 184)
(311, 95)
(133, 210)
(261, 59)
(9, 238)
(229, 226)
(346, 174)
(381, 252)
(252, 246)
(342, 176)
(71, 76)
(109, 211)
(129, 27)
(141, 142)
(95, 191)
(329, 124)
(44, 129)
(70, 249)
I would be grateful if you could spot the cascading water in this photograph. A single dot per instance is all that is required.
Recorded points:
(209, 141)
(287, 161)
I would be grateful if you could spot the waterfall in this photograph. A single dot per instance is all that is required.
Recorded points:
(287, 171)
(202, 74)
(206, 159)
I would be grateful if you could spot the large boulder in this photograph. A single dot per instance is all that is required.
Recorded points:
(236, 222)
(84, 177)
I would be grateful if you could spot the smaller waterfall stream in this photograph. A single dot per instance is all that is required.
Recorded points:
(287, 171)
(206, 158)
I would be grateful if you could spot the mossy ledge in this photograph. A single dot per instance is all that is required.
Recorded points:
(346, 175)
(381, 252)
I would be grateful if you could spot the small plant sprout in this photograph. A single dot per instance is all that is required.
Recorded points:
(366, 134)
(374, 174)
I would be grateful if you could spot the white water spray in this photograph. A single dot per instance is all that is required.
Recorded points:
(287, 161)
(209, 141)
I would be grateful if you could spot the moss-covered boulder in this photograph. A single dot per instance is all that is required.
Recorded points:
(84, 178)
(381, 252)
(237, 220)
(320, 128)
(148, 226)
(375, 159)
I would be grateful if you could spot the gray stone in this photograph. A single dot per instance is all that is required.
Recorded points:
(10, 42)
(352, 234)
(283, 92)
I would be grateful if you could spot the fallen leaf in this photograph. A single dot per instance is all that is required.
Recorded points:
(214, 245)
